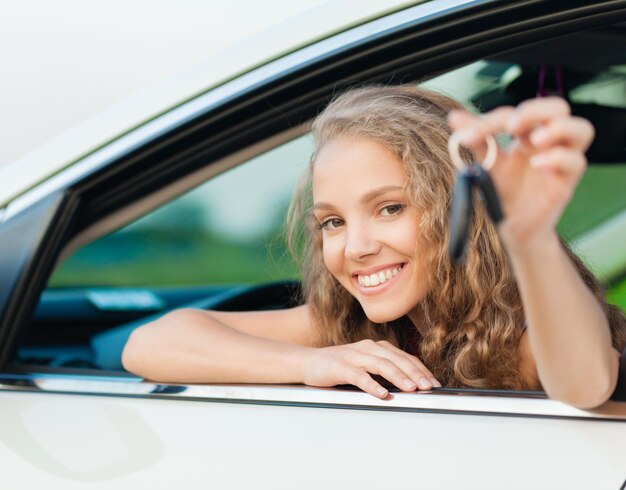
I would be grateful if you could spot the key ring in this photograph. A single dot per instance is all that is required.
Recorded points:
(460, 164)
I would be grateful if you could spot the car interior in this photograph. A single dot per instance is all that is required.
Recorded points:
(101, 291)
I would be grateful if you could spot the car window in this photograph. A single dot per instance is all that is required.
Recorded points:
(227, 230)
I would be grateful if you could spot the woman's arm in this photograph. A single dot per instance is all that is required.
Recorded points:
(190, 345)
(281, 346)
(568, 333)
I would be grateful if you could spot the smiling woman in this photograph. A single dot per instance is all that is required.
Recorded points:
(381, 294)
(370, 217)
(122, 231)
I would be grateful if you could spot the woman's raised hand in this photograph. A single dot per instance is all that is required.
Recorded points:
(355, 363)
(536, 175)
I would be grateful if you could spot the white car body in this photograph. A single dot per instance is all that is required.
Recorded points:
(101, 431)
(334, 440)
(104, 128)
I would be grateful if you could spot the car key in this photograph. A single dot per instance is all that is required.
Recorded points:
(461, 210)
(488, 192)
(460, 215)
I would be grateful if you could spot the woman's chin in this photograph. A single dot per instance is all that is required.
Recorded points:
(382, 315)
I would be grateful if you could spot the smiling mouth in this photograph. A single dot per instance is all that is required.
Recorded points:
(378, 278)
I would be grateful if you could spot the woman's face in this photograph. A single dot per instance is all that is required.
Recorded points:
(371, 239)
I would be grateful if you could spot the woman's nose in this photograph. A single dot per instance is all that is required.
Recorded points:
(360, 243)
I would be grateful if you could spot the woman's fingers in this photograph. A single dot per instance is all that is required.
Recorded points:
(360, 379)
(518, 120)
(476, 127)
(561, 159)
(388, 370)
(415, 367)
(574, 132)
(547, 121)
(472, 130)
(397, 363)
(357, 363)
(458, 119)
(534, 112)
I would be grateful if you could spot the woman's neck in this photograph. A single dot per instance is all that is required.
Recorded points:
(417, 319)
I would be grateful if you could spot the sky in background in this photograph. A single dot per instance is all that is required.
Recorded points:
(63, 61)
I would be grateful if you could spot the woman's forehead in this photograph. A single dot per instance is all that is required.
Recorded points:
(350, 161)
(353, 155)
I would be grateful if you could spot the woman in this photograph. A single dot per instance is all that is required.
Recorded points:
(381, 296)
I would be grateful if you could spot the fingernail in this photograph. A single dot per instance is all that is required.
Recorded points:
(467, 136)
(539, 136)
(408, 384)
(454, 113)
(513, 122)
(435, 383)
(424, 384)
(382, 391)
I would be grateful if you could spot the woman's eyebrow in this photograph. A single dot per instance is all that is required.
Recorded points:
(371, 195)
(322, 205)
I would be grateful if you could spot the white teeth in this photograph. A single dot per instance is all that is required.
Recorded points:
(378, 277)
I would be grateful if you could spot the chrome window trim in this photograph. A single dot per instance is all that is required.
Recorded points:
(439, 401)
(228, 91)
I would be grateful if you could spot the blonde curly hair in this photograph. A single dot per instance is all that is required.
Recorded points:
(473, 313)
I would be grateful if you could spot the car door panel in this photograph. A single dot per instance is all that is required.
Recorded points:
(74, 440)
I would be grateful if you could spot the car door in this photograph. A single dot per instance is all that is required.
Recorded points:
(68, 426)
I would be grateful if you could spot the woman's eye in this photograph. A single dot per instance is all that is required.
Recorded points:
(331, 224)
(392, 209)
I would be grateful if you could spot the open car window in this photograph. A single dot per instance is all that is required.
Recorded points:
(227, 233)
(230, 229)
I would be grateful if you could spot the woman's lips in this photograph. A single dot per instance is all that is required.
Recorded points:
(362, 280)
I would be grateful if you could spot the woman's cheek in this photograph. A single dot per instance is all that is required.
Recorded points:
(404, 236)
(332, 254)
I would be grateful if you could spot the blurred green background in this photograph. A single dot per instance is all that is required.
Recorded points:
(228, 230)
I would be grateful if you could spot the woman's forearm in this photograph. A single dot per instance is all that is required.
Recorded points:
(568, 331)
(187, 346)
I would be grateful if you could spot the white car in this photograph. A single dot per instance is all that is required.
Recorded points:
(176, 199)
